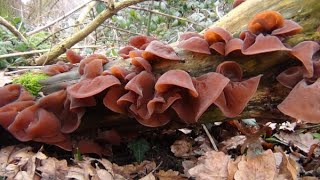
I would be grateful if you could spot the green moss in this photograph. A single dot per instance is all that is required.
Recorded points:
(30, 81)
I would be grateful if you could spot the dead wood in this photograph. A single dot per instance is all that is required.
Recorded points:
(263, 105)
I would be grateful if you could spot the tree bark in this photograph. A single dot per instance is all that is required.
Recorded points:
(270, 93)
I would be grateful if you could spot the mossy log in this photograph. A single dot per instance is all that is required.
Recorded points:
(270, 93)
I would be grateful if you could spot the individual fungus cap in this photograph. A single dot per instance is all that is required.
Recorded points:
(231, 70)
(188, 35)
(236, 95)
(140, 40)
(195, 44)
(303, 102)
(233, 45)
(304, 52)
(289, 28)
(59, 67)
(141, 64)
(265, 22)
(216, 34)
(73, 57)
(264, 44)
(90, 87)
(124, 52)
(88, 59)
(291, 76)
(159, 49)
(178, 78)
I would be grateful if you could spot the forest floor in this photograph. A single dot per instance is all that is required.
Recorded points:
(246, 150)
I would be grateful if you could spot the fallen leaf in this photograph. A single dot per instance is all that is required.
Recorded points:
(232, 143)
(150, 176)
(4, 157)
(301, 141)
(77, 173)
(309, 178)
(169, 175)
(187, 164)
(52, 168)
(23, 175)
(288, 169)
(212, 166)
(104, 174)
(233, 168)
(130, 169)
(181, 148)
(262, 166)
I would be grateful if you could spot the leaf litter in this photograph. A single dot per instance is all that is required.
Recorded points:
(243, 154)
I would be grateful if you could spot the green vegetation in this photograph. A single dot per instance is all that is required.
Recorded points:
(31, 82)
(139, 148)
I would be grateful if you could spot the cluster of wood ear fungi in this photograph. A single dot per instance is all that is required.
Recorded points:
(155, 99)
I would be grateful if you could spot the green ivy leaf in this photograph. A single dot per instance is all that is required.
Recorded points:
(100, 7)
(139, 148)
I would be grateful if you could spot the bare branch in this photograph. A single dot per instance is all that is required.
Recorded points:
(58, 19)
(122, 30)
(69, 42)
(44, 50)
(166, 15)
(12, 29)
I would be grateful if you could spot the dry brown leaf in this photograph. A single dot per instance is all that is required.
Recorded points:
(288, 169)
(232, 143)
(127, 170)
(233, 168)
(104, 174)
(309, 178)
(52, 168)
(181, 148)
(212, 166)
(169, 175)
(4, 157)
(14, 158)
(23, 175)
(262, 166)
(301, 141)
(77, 173)
(188, 164)
(150, 176)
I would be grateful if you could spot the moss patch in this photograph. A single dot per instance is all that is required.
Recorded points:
(30, 81)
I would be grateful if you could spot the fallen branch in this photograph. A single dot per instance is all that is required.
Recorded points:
(262, 106)
(13, 30)
(44, 50)
(68, 43)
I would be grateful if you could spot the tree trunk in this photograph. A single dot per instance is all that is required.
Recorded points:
(270, 93)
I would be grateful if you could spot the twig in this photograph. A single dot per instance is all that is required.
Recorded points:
(210, 137)
(58, 19)
(75, 38)
(45, 39)
(166, 15)
(150, 16)
(84, 14)
(122, 30)
(13, 30)
(44, 50)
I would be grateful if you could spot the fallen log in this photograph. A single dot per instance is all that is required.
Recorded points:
(270, 93)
